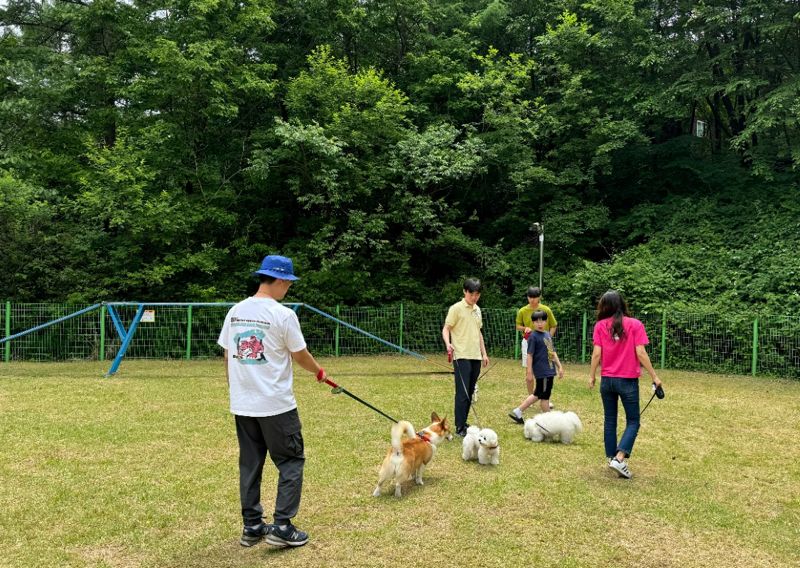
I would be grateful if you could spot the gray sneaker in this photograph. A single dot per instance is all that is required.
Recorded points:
(290, 536)
(252, 535)
(515, 418)
(621, 467)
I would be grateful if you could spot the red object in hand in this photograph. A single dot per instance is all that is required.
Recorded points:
(526, 335)
(449, 355)
(320, 374)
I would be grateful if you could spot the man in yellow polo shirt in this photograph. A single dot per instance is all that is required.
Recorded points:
(464, 340)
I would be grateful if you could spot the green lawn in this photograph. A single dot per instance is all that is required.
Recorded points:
(141, 470)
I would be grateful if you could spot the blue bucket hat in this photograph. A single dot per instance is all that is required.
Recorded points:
(277, 267)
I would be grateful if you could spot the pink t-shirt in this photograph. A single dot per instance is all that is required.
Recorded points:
(618, 358)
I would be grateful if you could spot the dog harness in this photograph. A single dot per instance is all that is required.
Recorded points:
(423, 436)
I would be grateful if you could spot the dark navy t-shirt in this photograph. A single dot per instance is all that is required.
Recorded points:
(540, 345)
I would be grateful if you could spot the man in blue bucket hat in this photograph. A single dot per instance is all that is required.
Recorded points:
(261, 337)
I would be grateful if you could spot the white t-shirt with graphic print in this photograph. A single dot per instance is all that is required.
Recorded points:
(260, 335)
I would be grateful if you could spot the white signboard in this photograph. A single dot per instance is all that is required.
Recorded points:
(148, 316)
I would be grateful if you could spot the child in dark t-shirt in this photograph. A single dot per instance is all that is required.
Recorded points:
(543, 365)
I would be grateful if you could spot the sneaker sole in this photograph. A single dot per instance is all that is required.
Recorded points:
(249, 543)
(279, 542)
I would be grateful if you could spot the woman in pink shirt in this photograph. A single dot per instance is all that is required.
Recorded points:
(619, 350)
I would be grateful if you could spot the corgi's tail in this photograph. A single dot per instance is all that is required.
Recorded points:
(402, 428)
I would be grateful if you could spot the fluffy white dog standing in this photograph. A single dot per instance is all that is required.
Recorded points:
(553, 426)
(469, 448)
(489, 450)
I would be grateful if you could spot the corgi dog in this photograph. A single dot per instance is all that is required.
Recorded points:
(411, 453)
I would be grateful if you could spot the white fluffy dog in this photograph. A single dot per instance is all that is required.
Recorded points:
(553, 426)
(469, 448)
(481, 444)
(489, 450)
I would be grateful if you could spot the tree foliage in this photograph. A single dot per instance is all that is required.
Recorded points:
(157, 150)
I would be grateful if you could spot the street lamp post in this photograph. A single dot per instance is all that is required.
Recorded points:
(538, 228)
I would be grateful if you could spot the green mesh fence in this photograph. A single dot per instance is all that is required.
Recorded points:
(705, 342)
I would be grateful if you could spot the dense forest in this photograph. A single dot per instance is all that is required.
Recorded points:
(155, 150)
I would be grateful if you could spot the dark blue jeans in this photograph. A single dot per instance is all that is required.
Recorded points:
(613, 390)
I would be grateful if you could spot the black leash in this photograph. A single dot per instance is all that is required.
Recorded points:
(658, 391)
(337, 389)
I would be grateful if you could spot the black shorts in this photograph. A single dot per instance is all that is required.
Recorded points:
(544, 386)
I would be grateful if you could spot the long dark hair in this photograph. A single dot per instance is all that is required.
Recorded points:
(612, 304)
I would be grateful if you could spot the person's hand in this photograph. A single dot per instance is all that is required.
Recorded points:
(591, 382)
(485, 360)
(527, 331)
(529, 377)
(561, 372)
(656, 381)
(321, 375)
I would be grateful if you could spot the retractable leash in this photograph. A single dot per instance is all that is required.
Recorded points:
(337, 389)
(658, 391)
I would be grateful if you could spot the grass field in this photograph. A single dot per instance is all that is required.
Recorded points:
(141, 470)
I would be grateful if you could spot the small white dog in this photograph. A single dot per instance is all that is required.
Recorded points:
(481, 444)
(553, 426)
(469, 448)
(489, 450)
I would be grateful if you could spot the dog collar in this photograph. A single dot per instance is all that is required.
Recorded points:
(424, 437)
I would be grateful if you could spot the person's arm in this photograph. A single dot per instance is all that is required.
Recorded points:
(553, 330)
(596, 352)
(644, 359)
(529, 371)
(484, 356)
(307, 361)
(227, 376)
(559, 366)
(446, 337)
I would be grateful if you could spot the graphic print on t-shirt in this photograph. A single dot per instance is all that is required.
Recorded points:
(548, 342)
(250, 347)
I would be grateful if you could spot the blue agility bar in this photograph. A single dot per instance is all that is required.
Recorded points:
(117, 322)
(359, 330)
(48, 324)
(126, 341)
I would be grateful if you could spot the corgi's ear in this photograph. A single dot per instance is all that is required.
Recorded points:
(435, 417)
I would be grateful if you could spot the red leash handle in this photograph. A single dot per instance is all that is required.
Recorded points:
(331, 383)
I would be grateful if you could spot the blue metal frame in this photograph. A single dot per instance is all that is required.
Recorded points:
(48, 324)
(126, 337)
(368, 334)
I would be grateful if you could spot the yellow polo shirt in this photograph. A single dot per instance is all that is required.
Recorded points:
(525, 312)
(465, 325)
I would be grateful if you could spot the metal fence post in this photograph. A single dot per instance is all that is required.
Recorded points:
(336, 334)
(663, 338)
(188, 332)
(401, 325)
(755, 346)
(102, 355)
(8, 331)
(583, 337)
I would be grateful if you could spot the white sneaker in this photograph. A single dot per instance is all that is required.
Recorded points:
(552, 406)
(620, 467)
